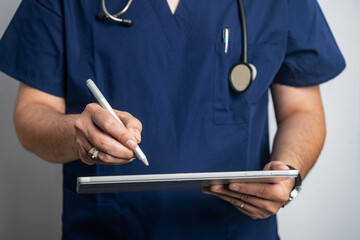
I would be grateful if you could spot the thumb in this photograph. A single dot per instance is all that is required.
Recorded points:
(276, 165)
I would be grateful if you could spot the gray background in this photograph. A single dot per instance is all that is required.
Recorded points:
(327, 208)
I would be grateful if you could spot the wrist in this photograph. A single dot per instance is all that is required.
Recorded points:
(298, 180)
(296, 187)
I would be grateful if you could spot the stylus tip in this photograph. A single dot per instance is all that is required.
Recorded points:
(145, 161)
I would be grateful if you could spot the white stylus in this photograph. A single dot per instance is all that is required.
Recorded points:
(101, 99)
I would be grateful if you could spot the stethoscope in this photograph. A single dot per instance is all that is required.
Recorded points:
(103, 16)
(241, 75)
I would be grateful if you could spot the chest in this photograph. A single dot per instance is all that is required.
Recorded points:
(172, 53)
(194, 21)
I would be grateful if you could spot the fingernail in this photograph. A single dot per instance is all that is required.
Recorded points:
(234, 187)
(131, 144)
(217, 189)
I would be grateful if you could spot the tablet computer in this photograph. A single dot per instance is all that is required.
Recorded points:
(177, 181)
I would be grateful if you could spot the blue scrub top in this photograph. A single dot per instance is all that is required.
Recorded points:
(171, 72)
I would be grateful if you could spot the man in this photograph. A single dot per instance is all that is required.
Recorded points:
(168, 74)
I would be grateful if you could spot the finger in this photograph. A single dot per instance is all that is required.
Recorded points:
(276, 165)
(267, 206)
(85, 158)
(251, 211)
(89, 135)
(131, 123)
(252, 215)
(110, 150)
(107, 144)
(109, 124)
(82, 142)
(207, 190)
(82, 146)
(110, 160)
(270, 191)
(102, 158)
(247, 208)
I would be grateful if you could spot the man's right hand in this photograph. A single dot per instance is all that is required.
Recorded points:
(96, 127)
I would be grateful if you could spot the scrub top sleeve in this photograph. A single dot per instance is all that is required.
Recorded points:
(32, 47)
(312, 55)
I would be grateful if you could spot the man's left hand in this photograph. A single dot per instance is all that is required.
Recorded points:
(257, 200)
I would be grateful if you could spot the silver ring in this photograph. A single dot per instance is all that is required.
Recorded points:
(242, 204)
(93, 153)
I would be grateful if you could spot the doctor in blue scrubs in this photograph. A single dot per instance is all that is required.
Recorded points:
(168, 78)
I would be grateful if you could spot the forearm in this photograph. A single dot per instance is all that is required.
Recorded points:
(299, 140)
(46, 132)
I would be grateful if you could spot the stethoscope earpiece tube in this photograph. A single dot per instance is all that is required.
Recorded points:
(124, 21)
(244, 31)
(242, 74)
(103, 16)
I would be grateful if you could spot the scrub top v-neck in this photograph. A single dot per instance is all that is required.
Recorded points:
(171, 72)
(174, 27)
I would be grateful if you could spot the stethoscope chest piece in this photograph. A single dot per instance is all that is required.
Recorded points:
(241, 77)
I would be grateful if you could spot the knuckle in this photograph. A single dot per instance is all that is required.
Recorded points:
(140, 126)
(78, 124)
(91, 107)
(282, 194)
(88, 108)
(134, 123)
(105, 158)
(123, 136)
(284, 197)
(271, 209)
(108, 123)
(235, 202)
(128, 154)
(260, 192)
(245, 197)
(274, 210)
(104, 145)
